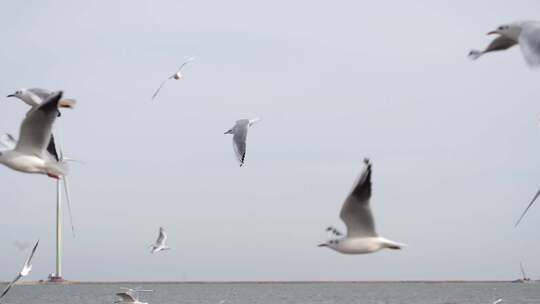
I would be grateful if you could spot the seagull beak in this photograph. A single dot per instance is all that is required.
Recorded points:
(10, 95)
(322, 245)
(228, 132)
(492, 33)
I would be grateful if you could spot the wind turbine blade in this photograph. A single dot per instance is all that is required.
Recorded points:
(527, 209)
(68, 202)
(66, 191)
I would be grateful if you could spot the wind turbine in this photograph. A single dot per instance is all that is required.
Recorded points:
(64, 181)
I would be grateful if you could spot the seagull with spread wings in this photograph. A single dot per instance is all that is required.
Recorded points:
(361, 235)
(24, 272)
(240, 131)
(35, 96)
(175, 76)
(32, 152)
(160, 242)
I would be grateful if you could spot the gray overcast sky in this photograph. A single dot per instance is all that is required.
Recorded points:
(455, 143)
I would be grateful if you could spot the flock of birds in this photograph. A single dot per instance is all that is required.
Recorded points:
(36, 152)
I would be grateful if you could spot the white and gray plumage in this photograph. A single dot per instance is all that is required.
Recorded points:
(240, 131)
(30, 153)
(356, 214)
(35, 96)
(131, 295)
(524, 33)
(175, 76)
(24, 272)
(160, 242)
(52, 154)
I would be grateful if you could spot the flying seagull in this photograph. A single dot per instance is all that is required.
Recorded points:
(356, 213)
(30, 153)
(524, 33)
(239, 131)
(160, 242)
(130, 296)
(35, 96)
(176, 76)
(24, 272)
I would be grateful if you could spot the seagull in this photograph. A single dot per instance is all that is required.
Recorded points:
(35, 96)
(24, 272)
(356, 213)
(29, 155)
(524, 33)
(160, 242)
(239, 131)
(175, 76)
(130, 296)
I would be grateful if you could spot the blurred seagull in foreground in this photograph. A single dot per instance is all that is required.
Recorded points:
(160, 242)
(175, 76)
(35, 96)
(524, 33)
(356, 213)
(24, 272)
(29, 154)
(53, 155)
(239, 131)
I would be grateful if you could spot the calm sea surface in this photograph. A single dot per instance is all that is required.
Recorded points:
(331, 293)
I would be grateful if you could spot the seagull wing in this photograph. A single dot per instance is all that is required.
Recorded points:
(51, 148)
(528, 206)
(356, 211)
(42, 94)
(28, 262)
(529, 40)
(8, 141)
(36, 128)
(240, 131)
(18, 277)
(185, 63)
(160, 86)
(500, 43)
(162, 237)
(126, 297)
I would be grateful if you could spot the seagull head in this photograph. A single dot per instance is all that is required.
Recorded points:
(18, 93)
(331, 244)
(510, 31)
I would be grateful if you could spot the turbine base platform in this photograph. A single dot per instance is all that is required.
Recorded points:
(55, 279)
